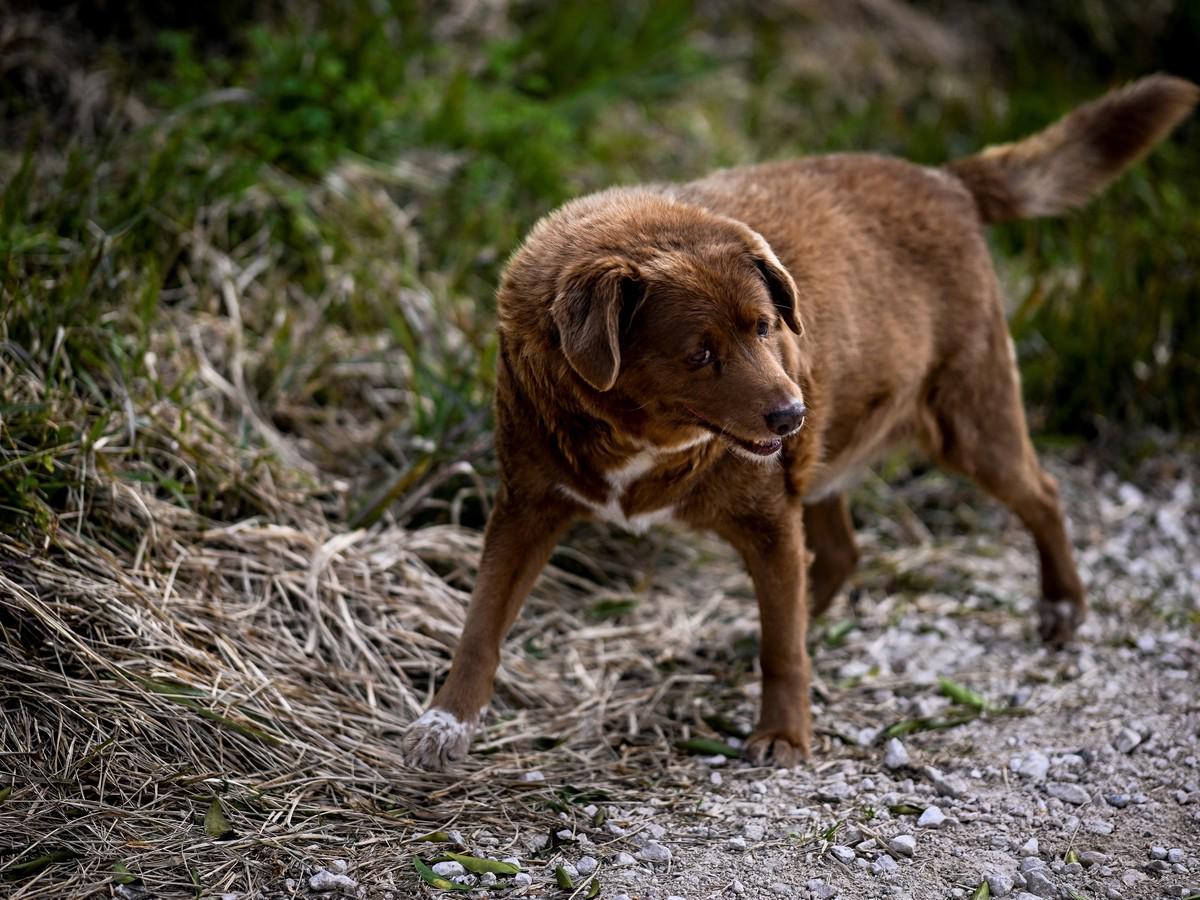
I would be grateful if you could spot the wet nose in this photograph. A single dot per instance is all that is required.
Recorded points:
(786, 419)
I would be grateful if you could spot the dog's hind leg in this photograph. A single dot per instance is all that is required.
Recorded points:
(519, 539)
(829, 531)
(979, 430)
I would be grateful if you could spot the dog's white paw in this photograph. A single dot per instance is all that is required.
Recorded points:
(436, 738)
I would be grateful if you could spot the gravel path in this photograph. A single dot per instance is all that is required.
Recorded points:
(1081, 778)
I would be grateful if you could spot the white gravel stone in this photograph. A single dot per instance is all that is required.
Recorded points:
(895, 755)
(1126, 740)
(1175, 855)
(780, 889)
(324, 882)
(819, 890)
(448, 869)
(535, 775)
(1039, 883)
(737, 842)
(1158, 852)
(842, 853)
(904, 844)
(654, 852)
(1068, 793)
(522, 879)
(932, 817)
(1029, 848)
(1001, 884)
(586, 865)
(884, 865)
(624, 859)
(1033, 765)
(946, 785)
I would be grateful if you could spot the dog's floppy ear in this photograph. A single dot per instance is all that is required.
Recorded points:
(587, 311)
(779, 282)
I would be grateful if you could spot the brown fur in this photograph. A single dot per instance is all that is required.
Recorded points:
(882, 316)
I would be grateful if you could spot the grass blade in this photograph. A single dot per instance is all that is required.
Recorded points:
(216, 826)
(708, 747)
(962, 694)
(433, 879)
(479, 866)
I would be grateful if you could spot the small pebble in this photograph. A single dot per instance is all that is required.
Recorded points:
(535, 775)
(1158, 852)
(884, 865)
(1093, 858)
(781, 890)
(842, 853)
(933, 817)
(1068, 793)
(895, 755)
(1029, 848)
(324, 881)
(449, 869)
(524, 879)
(1118, 801)
(999, 883)
(1175, 855)
(737, 842)
(1039, 884)
(946, 785)
(1126, 740)
(1034, 766)
(904, 844)
(586, 865)
(654, 852)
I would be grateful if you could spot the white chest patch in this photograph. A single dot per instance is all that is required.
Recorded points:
(619, 480)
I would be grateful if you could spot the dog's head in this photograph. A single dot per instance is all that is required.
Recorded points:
(691, 334)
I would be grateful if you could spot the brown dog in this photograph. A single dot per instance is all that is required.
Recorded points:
(733, 352)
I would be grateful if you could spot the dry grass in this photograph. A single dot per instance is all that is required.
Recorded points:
(274, 666)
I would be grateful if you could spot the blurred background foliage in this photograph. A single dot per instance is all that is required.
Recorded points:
(256, 243)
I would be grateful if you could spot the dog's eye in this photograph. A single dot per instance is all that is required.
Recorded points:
(764, 327)
(700, 358)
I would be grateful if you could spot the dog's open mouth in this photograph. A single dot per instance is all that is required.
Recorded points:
(758, 448)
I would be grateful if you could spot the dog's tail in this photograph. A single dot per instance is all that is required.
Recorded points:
(1065, 165)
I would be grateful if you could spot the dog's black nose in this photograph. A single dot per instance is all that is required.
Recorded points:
(786, 419)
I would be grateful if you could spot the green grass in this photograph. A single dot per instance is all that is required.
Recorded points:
(301, 233)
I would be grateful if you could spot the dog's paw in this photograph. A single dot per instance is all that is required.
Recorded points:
(1058, 620)
(436, 738)
(776, 748)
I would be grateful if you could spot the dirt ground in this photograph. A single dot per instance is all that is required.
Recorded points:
(1080, 779)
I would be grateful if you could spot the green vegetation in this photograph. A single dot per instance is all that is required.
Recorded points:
(275, 241)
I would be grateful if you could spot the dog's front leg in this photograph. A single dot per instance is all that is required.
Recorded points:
(519, 539)
(773, 547)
